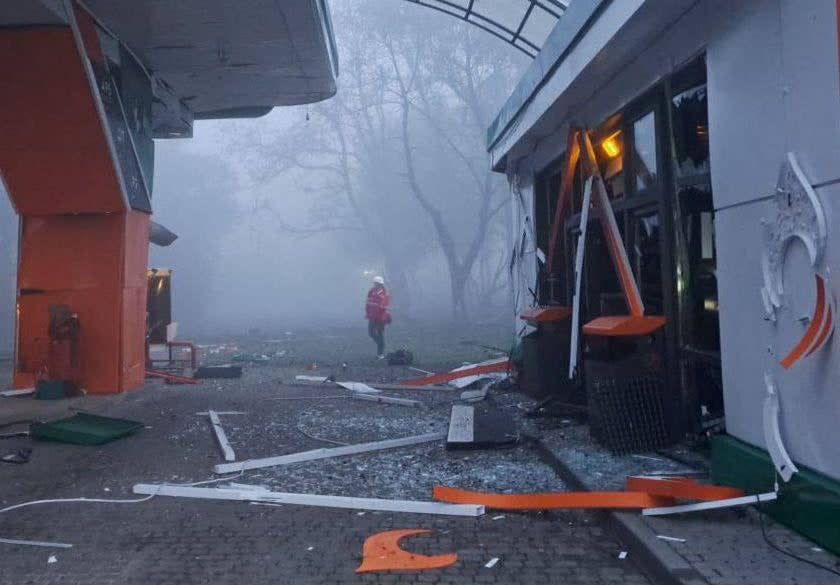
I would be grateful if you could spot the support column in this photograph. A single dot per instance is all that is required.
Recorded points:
(69, 160)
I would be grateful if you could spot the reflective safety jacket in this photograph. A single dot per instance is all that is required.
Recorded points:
(376, 308)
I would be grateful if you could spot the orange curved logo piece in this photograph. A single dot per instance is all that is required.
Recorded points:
(382, 552)
(819, 330)
(553, 501)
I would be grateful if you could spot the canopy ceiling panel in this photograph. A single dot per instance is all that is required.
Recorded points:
(222, 55)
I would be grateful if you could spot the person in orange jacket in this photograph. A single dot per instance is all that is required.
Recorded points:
(376, 312)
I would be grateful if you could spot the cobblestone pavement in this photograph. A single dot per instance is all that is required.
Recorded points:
(724, 547)
(173, 541)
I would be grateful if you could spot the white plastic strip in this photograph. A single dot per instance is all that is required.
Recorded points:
(388, 400)
(581, 246)
(358, 387)
(262, 495)
(221, 437)
(714, 505)
(22, 392)
(326, 453)
(773, 434)
(318, 379)
(35, 543)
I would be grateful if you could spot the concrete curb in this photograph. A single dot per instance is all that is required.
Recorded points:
(660, 563)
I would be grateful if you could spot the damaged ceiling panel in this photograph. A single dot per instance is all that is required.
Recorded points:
(223, 57)
(212, 58)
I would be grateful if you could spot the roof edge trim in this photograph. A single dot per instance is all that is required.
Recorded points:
(576, 20)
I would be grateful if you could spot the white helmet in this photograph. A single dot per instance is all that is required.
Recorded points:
(378, 280)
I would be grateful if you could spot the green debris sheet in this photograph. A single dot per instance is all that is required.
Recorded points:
(84, 429)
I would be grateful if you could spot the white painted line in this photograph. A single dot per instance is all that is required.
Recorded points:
(491, 563)
(729, 503)
(326, 453)
(264, 495)
(388, 400)
(221, 438)
(35, 543)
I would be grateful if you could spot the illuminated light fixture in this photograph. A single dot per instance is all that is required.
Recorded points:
(611, 146)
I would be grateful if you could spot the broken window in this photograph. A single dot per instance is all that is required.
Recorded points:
(647, 260)
(690, 113)
(644, 150)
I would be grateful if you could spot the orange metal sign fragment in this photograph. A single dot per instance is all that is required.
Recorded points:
(382, 552)
(435, 379)
(569, 167)
(618, 254)
(681, 488)
(624, 326)
(553, 501)
(544, 314)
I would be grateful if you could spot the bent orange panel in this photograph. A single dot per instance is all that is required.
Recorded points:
(615, 245)
(382, 552)
(826, 332)
(681, 488)
(553, 501)
(624, 326)
(553, 314)
(502, 366)
(813, 330)
(569, 168)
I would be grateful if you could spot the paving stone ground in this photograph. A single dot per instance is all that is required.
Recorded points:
(173, 541)
(724, 547)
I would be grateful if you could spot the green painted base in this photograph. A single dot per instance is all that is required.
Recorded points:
(809, 504)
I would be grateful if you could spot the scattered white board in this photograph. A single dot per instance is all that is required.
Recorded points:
(221, 437)
(388, 400)
(264, 495)
(714, 505)
(326, 453)
(358, 387)
(35, 543)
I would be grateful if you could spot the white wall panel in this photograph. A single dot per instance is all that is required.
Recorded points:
(746, 110)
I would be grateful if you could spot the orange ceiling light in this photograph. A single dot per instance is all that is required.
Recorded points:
(611, 145)
(382, 553)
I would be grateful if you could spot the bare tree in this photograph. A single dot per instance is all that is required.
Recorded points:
(405, 134)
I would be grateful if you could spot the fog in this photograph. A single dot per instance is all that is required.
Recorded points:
(283, 220)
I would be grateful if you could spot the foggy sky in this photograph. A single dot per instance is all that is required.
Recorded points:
(235, 269)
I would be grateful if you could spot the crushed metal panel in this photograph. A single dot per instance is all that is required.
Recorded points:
(479, 427)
